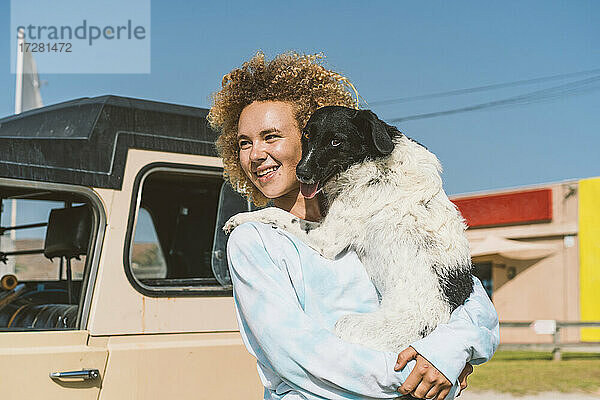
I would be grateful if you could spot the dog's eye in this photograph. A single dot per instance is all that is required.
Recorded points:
(335, 142)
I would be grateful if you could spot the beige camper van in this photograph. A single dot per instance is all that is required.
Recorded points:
(114, 276)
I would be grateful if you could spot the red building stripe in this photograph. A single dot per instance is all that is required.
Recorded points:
(507, 208)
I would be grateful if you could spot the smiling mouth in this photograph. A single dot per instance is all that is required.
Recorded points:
(266, 171)
(266, 174)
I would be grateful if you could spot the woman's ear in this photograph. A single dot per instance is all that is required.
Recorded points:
(367, 123)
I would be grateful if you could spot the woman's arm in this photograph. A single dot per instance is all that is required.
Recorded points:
(471, 335)
(276, 330)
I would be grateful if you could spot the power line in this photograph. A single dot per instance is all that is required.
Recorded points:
(568, 89)
(484, 88)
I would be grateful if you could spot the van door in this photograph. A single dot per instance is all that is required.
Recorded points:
(45, 350)
(28, 358)
(172, 333)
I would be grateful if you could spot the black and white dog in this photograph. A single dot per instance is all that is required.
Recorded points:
(385, 202)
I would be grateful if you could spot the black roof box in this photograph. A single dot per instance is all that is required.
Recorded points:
(85, 141)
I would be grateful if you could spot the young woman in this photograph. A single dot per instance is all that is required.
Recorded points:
(287, 296)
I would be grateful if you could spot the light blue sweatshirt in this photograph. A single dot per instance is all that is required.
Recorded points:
(288, 298)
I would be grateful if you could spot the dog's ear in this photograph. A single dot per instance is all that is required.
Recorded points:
(366, 121)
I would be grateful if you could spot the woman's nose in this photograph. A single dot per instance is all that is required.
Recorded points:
(258, 152)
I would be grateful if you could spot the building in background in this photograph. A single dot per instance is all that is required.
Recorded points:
(537, 251)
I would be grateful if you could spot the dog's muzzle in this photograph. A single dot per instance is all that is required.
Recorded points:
(304, 176)
(308, 186)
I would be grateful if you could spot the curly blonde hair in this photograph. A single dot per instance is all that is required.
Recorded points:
(299, 79)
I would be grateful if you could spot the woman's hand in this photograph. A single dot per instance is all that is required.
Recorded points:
(462, 378)
(424, 381)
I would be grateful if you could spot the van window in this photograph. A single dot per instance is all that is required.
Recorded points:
(147, 259)
(177, 246)
(45, 237)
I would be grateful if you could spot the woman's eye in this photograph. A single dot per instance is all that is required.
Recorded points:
(335, 142)
(270, 137)
(244, 144)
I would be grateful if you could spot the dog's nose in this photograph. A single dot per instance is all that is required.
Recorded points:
(303, 175)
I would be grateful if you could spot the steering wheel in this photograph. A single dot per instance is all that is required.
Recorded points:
(11, 295)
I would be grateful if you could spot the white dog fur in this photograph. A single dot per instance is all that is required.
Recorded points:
(395, 215)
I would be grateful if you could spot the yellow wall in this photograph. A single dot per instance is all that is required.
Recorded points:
(589, 255)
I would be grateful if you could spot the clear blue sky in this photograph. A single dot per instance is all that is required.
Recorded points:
(391, 49)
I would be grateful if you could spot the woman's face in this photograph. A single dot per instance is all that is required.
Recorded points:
(270, 147)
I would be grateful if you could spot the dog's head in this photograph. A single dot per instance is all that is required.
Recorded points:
(334, 139)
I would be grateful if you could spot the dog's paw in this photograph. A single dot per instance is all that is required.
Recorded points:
(233, 222)
(272, 215)
(367, 330)
(239, 219)
(347, 322)
(347, 326)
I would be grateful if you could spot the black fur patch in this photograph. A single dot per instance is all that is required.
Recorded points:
(306, 227)
(456, 284)
(425, 331)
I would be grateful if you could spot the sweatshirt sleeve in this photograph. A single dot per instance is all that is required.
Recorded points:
(277, 331)
(471, 335)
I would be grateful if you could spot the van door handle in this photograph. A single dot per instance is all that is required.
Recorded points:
(85, 374)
